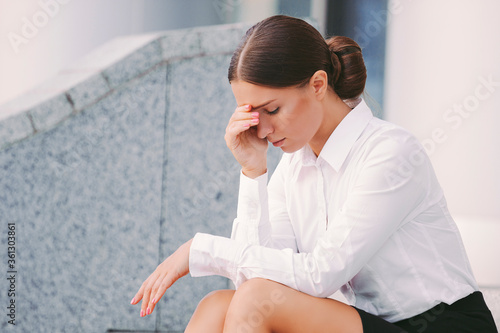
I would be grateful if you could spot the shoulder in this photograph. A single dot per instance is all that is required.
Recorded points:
(384, 138)
(395, 155)
(391, 153)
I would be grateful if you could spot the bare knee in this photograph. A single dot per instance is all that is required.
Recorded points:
(217, 298)
(253, 305)
(211, 311)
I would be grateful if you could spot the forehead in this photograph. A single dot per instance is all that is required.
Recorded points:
(249, 93)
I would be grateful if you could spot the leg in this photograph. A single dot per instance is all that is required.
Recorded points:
(265, 306)
(211, 312)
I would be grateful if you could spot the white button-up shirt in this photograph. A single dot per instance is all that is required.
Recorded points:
(367, 216)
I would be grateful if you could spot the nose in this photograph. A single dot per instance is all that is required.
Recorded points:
(265, 127)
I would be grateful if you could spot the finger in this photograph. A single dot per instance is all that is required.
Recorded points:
(242, 122)
(238, 127)
(245, 117)
(232, 136)
(147, 296)
(154, 298)
(137, 298)
(166, 283)
(244, 114)
(243, 108)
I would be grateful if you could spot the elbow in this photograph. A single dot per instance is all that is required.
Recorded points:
(318, 278)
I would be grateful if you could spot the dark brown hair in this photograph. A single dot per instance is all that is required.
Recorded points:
(283, 51)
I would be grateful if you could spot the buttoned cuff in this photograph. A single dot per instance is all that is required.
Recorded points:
(214, 255)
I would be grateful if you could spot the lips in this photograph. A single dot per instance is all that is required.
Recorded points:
(278, 143)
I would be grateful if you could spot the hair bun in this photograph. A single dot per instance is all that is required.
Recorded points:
(284, 51)
(349, 71)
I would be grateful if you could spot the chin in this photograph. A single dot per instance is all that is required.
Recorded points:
(289, 150)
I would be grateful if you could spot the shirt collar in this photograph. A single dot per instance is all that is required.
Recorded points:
(340, 142)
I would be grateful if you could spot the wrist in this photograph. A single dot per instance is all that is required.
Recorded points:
(254, 173)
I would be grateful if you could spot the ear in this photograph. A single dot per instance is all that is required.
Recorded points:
(319, 84)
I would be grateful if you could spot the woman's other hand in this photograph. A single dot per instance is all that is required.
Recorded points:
(169, 271)
(241, 138)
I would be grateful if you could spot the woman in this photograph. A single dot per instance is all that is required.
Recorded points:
(353, 205)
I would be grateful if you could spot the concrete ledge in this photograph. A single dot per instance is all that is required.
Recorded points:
(98, 74)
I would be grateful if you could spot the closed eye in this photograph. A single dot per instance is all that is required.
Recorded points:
(273, 112)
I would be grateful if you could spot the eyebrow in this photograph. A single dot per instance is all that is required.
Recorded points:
(262, 105)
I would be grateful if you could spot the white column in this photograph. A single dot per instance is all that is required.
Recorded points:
(443, 84)
(253, 11)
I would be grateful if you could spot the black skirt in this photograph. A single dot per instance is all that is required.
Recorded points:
(467, 315)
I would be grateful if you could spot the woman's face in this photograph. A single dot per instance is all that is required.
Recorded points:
(288, 117)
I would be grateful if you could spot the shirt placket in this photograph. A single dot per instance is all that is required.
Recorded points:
(320, 195)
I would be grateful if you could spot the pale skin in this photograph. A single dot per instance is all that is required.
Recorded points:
(290, 118)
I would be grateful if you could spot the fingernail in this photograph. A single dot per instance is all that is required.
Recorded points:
(148, 311)
(142, 313)
(153, 301)
(132, 301)
(254, 121)
(247, 107)
(255, 114)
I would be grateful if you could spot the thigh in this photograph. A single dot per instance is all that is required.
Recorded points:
(261, 305)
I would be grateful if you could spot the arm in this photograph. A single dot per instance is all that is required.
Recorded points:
(262, 217)
(165, 275)
(374, 209)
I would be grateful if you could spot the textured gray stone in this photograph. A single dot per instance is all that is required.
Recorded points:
(201, 175)
(180, 44)
(14, 128)
(222, 40)
(48, 114)
(136, 63)
(85, 198)
(89, 91)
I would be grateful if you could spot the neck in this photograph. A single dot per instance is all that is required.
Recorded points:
(334, 110)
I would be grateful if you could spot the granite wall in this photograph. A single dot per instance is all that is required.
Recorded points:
(105, 170)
